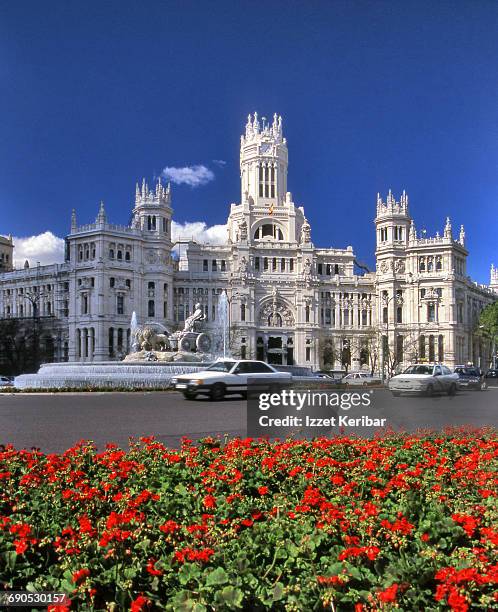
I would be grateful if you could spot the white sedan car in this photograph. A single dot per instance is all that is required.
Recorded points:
(226, 377)
(425, 379)
(362, 379)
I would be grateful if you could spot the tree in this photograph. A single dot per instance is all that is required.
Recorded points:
(21, 348)
(488, 327)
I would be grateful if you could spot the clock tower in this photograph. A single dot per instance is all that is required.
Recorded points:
(263, 162)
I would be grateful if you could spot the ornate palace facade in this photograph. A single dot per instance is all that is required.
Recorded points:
(290, 302)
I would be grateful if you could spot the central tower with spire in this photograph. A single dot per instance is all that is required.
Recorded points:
(263, 161)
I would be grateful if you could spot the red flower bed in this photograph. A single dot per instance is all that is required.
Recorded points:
(402, 521)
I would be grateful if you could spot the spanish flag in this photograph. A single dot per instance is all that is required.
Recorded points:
(270, 210)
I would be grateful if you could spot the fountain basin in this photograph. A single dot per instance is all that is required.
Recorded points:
(106, 374)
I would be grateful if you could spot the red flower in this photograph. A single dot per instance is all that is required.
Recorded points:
(21, 546)
(209, 501)
(140, 603)
(263, 490)
(152, 569)
(169, 527)
(388, 595)
(80, 575)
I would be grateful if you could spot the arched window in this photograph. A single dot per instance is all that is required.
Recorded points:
(432, 356)
(269, 230)
(242, 312)
(111, 342)
(421, 264)
(439, 264)
(440, 348)
(151, 308)
(430, 264)
(399, 314)
(421, 347)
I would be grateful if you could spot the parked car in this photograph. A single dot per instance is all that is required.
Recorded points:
(226, 377)
(424, 379)
(492, 374)
(470, 378)
(6, 381)
(362, 379)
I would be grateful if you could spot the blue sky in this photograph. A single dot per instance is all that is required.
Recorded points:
(374, 95)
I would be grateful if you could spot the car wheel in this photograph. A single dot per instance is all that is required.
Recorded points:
(453, 389)
(188, 395)
(396, 393)
(244, 394)
(217, 392)
(365, 384)
(429, 391)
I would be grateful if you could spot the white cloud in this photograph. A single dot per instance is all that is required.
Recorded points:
(219, 162)
(199, 231)
(45, 248)
(194, 176)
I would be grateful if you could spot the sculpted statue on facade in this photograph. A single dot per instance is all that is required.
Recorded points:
(305, 232)
(243, 230)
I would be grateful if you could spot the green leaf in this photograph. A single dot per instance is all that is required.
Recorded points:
(230, 597)
(10, 559)
(278, 591)
(217, 576)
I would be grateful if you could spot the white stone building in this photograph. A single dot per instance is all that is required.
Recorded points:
(290, 302)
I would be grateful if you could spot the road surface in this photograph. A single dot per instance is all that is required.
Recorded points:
(53, 422)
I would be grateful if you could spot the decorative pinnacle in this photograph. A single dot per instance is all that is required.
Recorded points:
(101, 217)
(74, 224)
(447, 228)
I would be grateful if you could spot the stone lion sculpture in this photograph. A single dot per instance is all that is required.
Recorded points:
(147, 339)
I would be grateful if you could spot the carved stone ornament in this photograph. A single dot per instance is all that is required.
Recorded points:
(399, 266)
(276, 314)
(243, 267)
(243, 230)
(384, 267)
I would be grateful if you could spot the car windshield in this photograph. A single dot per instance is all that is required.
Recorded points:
(419, 369)
(467, 371)
(221, 366)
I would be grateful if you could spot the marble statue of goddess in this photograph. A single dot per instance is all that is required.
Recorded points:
(198, 315)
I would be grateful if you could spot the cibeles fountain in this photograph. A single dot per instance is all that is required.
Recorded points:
(156, 356)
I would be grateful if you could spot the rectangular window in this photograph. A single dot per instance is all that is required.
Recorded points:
(214, 265)
(308, 353)
(120, 305)
(165, 310)
(431, 313)
(291, 265)
(205, 265)
(320, 268)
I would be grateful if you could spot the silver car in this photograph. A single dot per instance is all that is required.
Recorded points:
(425, 379)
